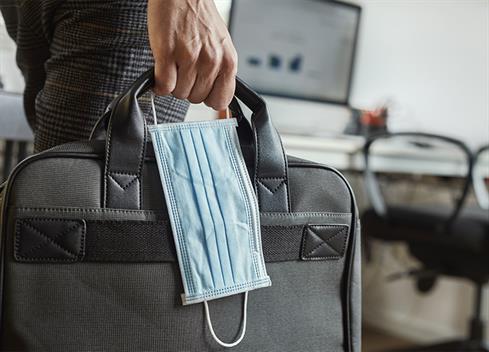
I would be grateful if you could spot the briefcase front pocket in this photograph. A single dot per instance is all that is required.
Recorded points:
(107, 271)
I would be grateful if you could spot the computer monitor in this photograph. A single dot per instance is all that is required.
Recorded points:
(302, 49)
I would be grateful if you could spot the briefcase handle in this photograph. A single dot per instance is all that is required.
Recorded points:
(127, 136)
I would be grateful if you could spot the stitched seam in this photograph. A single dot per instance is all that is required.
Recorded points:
(292, 215)
(121, 186)
(257, 161)
(52, 241)
(109, 156)
(39, 246)
(144, 222)
(124, 173)
(141, 161)
(270, 189)
(252, 285)
(92, 210)
(286, 173)
(331, 257)
(325, 242)
(303, 254)
(272, 178)
(107, 159)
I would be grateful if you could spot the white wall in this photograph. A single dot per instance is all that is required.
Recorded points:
(431, 58)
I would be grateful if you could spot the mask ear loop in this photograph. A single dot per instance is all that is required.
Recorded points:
(243, 324)
(153, 108)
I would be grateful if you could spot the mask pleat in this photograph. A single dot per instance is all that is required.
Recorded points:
(178, 181)
(232, 202)
(211, 171)
(207, 236)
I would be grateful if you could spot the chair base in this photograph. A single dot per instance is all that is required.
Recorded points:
(452, 346)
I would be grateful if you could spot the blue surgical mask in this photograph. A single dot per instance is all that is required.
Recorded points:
(213, 211)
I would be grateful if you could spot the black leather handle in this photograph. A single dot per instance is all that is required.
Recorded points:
(127, 137)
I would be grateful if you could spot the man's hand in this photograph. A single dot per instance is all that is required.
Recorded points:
(194, 56)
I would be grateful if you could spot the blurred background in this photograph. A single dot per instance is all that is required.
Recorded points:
(335, 74)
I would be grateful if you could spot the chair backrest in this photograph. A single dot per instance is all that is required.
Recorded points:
(416, 159)
(480, 177)
(14, 126)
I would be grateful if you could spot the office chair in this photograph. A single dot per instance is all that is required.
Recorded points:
(452, 242)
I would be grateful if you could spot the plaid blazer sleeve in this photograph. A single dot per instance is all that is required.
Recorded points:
(76, 56)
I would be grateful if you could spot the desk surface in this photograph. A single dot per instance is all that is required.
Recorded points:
(345, 153)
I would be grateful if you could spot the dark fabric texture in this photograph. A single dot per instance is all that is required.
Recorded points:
(461, 249)
(93, 306)
(470, 231)
(120, 307)
(76, 56)
(52, 239)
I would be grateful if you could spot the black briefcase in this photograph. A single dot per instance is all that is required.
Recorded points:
(88, 261)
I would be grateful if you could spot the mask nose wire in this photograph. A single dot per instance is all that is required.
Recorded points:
(243, 324)
(155, 120)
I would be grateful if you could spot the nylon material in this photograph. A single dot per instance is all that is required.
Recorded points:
(135, 307)
(58, 182)
(203, 164)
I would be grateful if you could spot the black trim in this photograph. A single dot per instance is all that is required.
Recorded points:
(345, 102)
(350, 253)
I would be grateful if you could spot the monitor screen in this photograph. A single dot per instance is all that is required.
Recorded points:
(300, 49)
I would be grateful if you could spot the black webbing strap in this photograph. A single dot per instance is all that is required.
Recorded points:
(129, 241)
(49, 240)
(132, 241)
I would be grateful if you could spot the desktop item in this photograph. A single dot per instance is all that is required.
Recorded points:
(302, 49)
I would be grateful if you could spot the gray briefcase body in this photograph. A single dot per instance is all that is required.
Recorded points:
(88, 261)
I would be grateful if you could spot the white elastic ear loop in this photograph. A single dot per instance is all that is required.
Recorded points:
(243, 324)
(153, 108)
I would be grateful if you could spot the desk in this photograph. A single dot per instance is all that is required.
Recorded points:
(345, 153)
